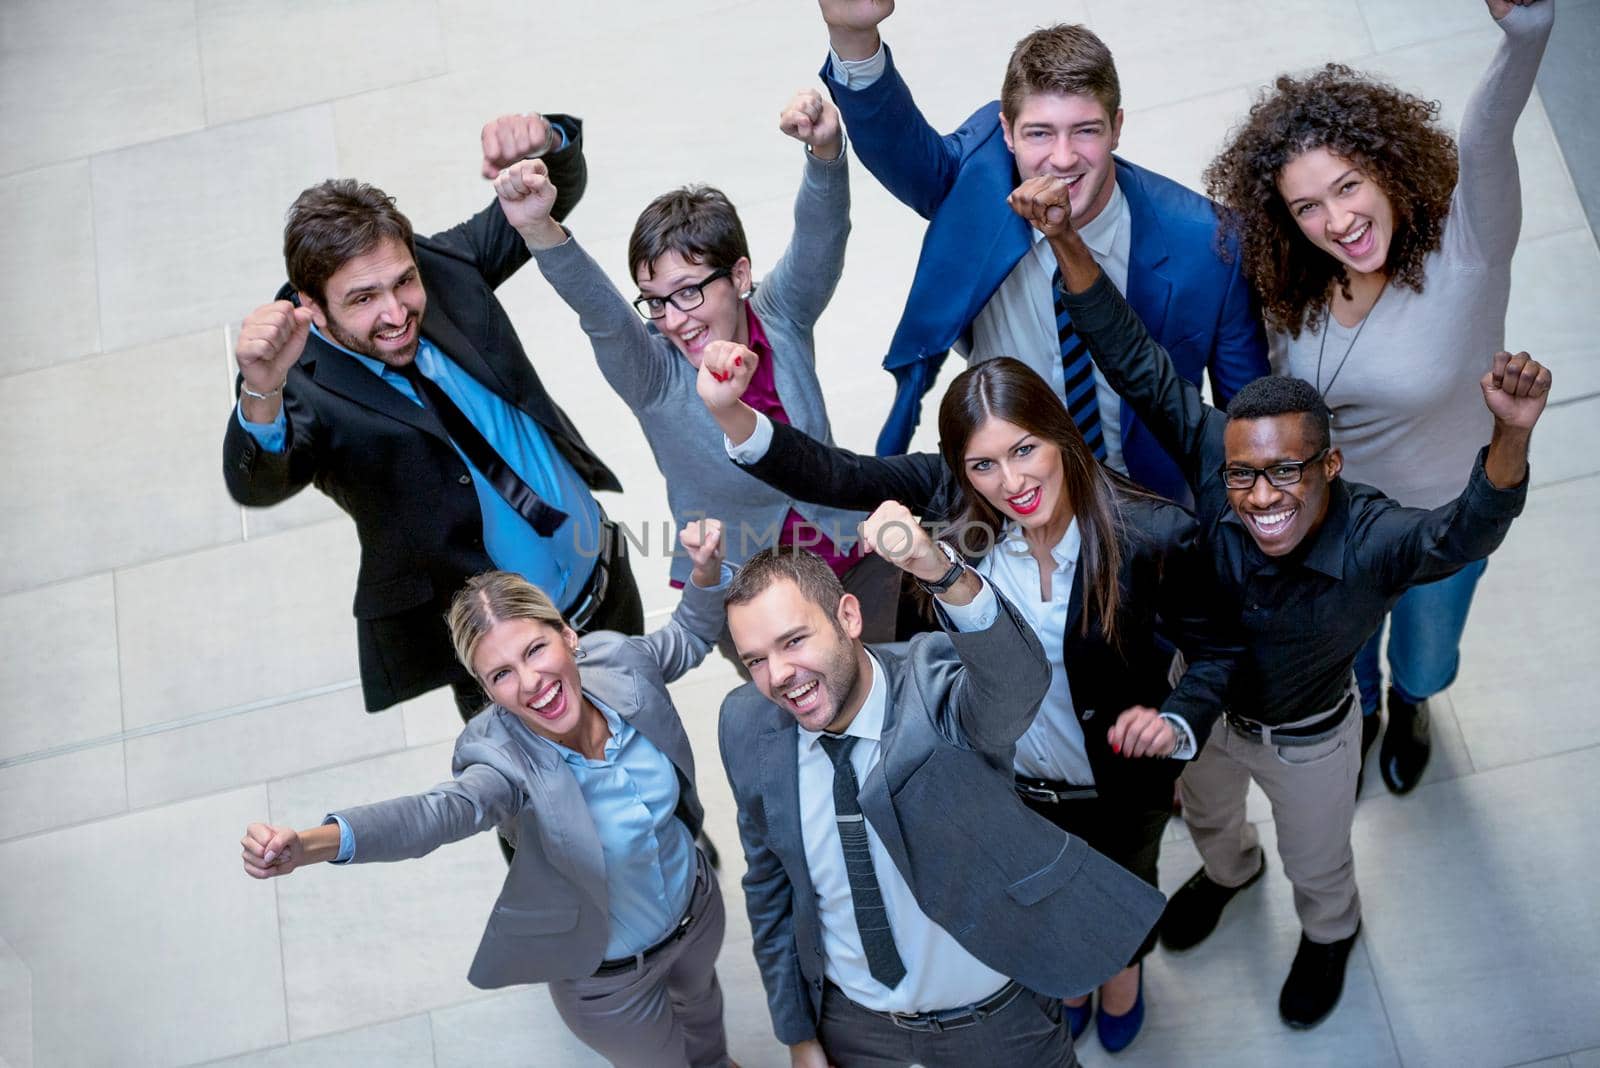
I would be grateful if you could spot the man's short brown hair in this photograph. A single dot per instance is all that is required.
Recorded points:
(334, 222)
(697, 222)
(1066, 60)
(816, 580)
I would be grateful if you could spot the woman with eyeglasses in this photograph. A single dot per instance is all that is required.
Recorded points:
(1381, 250)
(583, 763)
(1105, 572)
(690, 259)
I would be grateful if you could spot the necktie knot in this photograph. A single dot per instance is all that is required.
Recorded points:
(837, 746)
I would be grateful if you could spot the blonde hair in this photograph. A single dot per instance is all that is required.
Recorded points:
(490, 598)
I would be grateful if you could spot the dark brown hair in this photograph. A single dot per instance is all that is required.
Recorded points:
(1394, 137)
(816, 580)
(697, 222)
(334, 222)
(1064, 59)
(1010, 390)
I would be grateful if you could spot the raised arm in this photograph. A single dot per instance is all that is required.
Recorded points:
(685, 639)
(269, 447)
(1138, 368)
(804, 468)
(1003, 674)
(1486, 211)
(800, 284)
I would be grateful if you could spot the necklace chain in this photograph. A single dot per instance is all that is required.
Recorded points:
(1322, 347)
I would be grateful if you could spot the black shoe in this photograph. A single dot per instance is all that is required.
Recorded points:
(1406, 744)
(1194, 910)
(1371, 727)
(1316, 979)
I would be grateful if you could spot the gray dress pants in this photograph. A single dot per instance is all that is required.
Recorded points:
(1030, 1032)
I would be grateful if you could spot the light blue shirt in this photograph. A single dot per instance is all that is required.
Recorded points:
(560, 565)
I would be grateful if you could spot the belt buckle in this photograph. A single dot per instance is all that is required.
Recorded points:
(916, 1021)
(1038, 793)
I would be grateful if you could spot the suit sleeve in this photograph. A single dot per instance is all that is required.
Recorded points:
(682, 643)
(895, 141)
(803, 280)
(1003, 677)
(477, 799)
(1239, 356)
(1144, 376)
(258, 477)
(809, 470)
(489, 242)
(769, 901)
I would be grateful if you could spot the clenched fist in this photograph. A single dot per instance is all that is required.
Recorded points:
(894, 534)
(702, 540)
(527, 196)
(813, 121)
(510, 138)
(1515, 388)
(1045, 203)
(270, 341)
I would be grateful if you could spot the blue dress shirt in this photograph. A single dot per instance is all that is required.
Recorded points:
(560, 565)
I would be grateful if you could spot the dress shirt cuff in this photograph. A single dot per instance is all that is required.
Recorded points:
(978, 614)
(754, 448)
(1186, 749)
(270, 436)
(347, 839)
(856, 73)
(726, 576)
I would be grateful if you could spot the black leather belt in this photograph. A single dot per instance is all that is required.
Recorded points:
(638, 960)
(593, 595)
(1053, 791)
(1305, 734)
(950, 1019)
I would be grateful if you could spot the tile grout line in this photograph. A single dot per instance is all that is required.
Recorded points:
(1383, 1006)
(122, 687)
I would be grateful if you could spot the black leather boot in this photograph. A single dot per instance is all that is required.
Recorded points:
(1407, 744)
(1316, 979)
(1194, 910)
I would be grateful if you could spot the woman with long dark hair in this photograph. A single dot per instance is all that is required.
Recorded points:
(1380, 248)
(1102, 570)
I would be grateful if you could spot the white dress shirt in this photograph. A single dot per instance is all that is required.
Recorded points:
(1020, 319)
(940, 974)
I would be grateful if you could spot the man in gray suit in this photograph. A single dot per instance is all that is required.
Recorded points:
(905, 907)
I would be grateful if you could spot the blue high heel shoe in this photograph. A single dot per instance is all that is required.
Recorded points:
(1078, 1016)
(1117, 1032)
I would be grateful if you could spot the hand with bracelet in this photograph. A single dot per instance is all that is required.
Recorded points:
(270, 341)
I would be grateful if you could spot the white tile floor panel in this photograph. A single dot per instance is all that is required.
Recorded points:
(177, 666)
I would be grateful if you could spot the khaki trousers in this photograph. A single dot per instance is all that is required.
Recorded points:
(1312, 789)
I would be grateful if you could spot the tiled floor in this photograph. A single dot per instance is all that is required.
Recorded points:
(177, 668)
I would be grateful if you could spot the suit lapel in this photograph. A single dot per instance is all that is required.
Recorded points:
(563, 816)
(663, 729)
(1149, 288)
(874, 794)
(344, 375)
(778, 761)
(439, 329)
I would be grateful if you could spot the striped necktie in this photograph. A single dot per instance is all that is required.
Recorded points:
(872, 922)
(1077, 376)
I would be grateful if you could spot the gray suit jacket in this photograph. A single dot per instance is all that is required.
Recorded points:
(551, 920)
(658, 384)
(1018, 893)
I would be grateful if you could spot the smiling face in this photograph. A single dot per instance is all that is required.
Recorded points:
(721, 315)
(1067, 136)
(806, 662)
(374, 304)
(1279, 518)
(527, 667)
(1339, 208)
(1017, 472)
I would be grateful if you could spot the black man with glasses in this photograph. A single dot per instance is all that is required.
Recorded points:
(1311, 563)
(691, 262)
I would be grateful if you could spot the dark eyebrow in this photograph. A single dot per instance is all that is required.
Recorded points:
(1012, 448)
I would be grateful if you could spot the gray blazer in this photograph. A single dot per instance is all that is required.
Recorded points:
(658, 384)
(1018, 893)
(551, 920)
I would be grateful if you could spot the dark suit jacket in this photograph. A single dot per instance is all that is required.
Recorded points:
(1166, 589)
(388, 463)
(1014, 890)
(1198, 306)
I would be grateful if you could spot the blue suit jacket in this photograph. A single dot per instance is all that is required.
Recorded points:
(1196, 305)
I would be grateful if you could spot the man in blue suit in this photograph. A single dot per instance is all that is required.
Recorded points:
(985, 283)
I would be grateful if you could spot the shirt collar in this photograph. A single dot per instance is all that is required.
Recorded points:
(1101, 233)
(758, 334)
(868, 721)
(618, 728)
(376, 366)
(1326, 551)
(1065, 552)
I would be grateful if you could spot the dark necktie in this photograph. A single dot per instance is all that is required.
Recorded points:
(543, 517)
(872, 922)
(1077, 374)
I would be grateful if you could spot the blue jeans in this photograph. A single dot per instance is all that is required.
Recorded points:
(1425, 628)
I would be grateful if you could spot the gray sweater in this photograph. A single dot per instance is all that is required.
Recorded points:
(658, 383)
(1408, 413)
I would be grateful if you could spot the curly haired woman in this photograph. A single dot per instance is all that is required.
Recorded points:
(1384, 269)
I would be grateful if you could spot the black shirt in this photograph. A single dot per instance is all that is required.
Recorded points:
(1305, 615)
